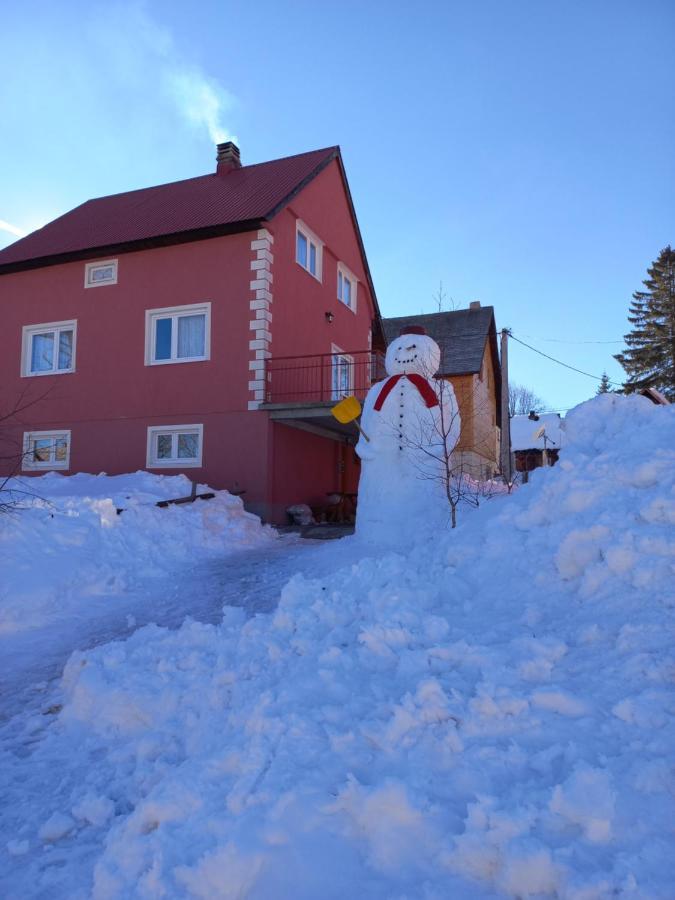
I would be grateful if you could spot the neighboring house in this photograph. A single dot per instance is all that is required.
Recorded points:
(655, 396)
(470, 361)
(536, 441)
(204, 326)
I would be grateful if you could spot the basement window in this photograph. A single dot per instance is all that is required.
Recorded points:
(178, 334)
(46, 450)
(48, 349)
(98, 274)
(175, 446)
(308, 250)
(346, 287)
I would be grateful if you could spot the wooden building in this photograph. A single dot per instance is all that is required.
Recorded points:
(470, 361)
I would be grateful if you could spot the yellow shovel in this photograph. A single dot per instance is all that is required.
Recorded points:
(348, 410)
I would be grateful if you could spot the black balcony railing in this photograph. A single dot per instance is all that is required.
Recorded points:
(323, 377)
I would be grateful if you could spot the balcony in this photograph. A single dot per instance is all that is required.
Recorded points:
(300, 390)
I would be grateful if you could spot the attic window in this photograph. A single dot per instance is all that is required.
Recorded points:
(97, 274)
(308, 250)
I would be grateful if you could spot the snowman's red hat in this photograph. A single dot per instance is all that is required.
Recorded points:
(412, 329)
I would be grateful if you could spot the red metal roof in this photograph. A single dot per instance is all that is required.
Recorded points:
(183, 210)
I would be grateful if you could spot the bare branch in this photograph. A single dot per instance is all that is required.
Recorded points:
(429, 446)
(522, 400)
(13, 454)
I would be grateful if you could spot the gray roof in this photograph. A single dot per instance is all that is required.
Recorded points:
(462, 336)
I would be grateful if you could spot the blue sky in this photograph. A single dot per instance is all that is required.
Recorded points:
(521, 153)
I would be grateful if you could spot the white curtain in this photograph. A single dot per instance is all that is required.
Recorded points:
(42, 353)
(341, 376)
(191, 334)
(65, 350)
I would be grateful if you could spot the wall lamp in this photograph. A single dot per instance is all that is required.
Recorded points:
(329, 317)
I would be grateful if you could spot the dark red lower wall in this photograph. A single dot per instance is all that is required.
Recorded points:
(273, 466)
(235, 450)
(308, 468)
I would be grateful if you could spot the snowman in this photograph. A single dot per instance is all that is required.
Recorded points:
(412, 425)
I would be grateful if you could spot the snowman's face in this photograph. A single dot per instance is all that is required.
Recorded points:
(413, 353)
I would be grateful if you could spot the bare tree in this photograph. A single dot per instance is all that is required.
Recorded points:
(442, 300)
(12, 452)
(522, 400)
(437, 459)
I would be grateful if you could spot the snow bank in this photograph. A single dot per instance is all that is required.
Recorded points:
(67, 548)
(490, 715)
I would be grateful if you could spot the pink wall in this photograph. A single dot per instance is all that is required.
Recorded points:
(112, 397)
(305, 469)
(300, 326)
(306, 466)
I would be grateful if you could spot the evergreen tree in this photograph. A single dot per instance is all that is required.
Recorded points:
(604, 386)
(649, 358)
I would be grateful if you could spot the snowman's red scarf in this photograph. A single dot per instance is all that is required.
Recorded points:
(426, 391)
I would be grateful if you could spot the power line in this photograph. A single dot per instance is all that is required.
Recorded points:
(559, 341)
(561, 363)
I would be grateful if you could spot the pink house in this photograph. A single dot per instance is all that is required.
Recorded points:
(204, 326)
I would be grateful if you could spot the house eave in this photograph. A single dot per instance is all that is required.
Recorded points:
(162, 240)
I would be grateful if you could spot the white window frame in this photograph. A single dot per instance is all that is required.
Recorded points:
(174, 313)
(29, 437)
(338, 353)
(345, 272)
(90, 268)
(29, 331)
(311, 238)
(153, 462)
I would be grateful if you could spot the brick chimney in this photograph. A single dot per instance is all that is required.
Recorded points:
(475, 304)
(227, 158)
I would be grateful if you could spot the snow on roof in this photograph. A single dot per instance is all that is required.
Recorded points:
(655, 396)
(523, 431)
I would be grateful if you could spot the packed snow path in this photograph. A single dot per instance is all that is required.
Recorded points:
(31, 665)
(33, 660)
(74, 573)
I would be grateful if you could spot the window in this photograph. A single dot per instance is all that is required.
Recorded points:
(177, 334)
(308, 250)
(346, 287)
(46, 450)
(341, 374)
(97, 274)
(48, 349)
(175, 446)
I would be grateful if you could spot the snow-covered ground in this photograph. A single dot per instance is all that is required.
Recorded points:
(75, 573)
(75, 535)
(484, 714)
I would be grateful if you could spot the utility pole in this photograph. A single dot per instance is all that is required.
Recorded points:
(505, 445)
(544, 455)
